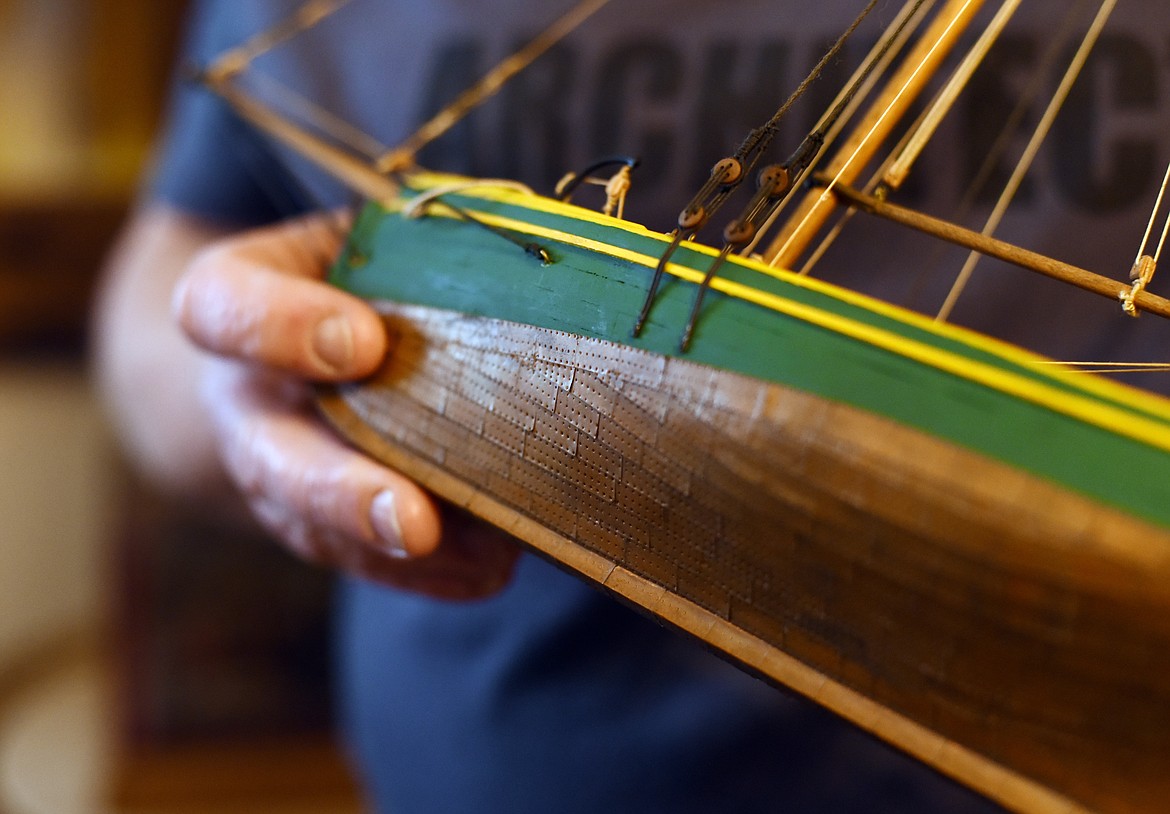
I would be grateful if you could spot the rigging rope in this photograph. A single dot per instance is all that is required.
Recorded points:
(1108, 367)
(417, 208)
(925, 129)
(314, 114)
(882, 54)
(1144, 266)
(1030, 151)
(307, 15)
(894, 170)
(775, 182)
(892, 103)
(1057, 46)
(1150, 226)
(312, 12)
(402, 156)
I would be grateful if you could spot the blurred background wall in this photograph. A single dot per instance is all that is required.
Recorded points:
(71, 146)
(126, 681)
(81, 84)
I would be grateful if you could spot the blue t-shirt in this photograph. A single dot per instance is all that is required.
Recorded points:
(552, 697)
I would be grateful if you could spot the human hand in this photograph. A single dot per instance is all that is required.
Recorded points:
(258, 304)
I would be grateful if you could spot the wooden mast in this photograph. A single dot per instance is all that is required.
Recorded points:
(881, 117)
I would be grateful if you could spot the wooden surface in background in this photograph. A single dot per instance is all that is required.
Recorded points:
(184, 754)
(288, 776)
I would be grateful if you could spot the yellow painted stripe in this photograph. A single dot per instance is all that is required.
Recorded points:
(1106, 416)
(1076, 380)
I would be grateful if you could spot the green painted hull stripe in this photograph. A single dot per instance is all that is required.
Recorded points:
(808, 292)
(445, 263)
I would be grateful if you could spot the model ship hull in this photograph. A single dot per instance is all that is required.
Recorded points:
(924, 530)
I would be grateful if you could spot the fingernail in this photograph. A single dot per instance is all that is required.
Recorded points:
(384, 516)
(333, 342)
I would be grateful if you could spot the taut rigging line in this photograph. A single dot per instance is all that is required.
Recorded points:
(729, 172)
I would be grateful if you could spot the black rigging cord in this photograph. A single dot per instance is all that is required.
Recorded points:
(568, 185)
(530, 248)
(777, 181)
(727, 173)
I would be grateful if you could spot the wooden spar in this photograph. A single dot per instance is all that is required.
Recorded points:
(352, 170)
(1002, 250)
(923, 131)
(402, 157)
(371, 178)
(307, 15)
(881, 117)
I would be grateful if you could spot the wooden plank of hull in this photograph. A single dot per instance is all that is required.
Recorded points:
(1007, 631)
